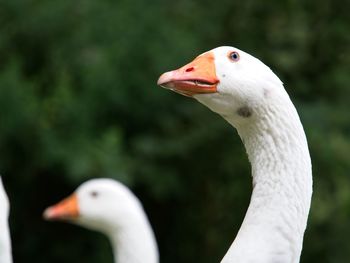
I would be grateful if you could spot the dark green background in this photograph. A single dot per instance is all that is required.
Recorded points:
(78, 100)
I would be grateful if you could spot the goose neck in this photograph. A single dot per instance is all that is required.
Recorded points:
(275, 221)
(134, 243)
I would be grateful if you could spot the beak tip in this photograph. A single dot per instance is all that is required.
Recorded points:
(160, 82)
(67, 209)
(48, 214)
(164, 79)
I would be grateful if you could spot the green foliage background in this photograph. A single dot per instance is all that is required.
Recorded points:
(78, 99)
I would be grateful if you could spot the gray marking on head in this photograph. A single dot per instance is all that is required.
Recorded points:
(245, 112)
(223, 75)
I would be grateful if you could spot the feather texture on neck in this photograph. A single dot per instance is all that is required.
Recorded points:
(274, 225)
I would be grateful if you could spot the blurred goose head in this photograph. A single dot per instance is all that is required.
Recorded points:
(108, 206)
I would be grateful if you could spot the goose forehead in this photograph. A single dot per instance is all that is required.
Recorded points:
(110, 188)
(219, 51)
(102, 184)
(223, 51)
(248, 65)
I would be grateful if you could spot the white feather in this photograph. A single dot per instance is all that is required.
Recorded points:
(5, 240)
(274, 225)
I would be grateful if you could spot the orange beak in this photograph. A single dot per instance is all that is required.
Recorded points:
(67, 209)
(197, 77)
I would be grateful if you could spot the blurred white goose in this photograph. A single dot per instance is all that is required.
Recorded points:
(109, 207)
(5, 240)
(251, 98)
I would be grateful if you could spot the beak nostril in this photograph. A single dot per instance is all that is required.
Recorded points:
(189, 69)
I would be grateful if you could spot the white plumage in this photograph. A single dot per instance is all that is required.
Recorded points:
(109, 207)
(5, 240)
(252, 99)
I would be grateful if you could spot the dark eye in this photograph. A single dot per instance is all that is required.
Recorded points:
(94, 194)
(234, 56)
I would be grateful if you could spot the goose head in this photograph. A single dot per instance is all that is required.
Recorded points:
(228, 81)
(109, 207)
(103, 205)
(252, 98)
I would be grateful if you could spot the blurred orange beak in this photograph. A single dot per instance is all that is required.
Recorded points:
(67, 209)
(197, 77)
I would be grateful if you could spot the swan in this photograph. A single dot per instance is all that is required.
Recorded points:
(247, 94)
(108, 206)
(5, 240)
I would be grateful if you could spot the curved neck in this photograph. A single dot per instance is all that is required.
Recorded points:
(274, 225)
(135, 242)
(5, 242)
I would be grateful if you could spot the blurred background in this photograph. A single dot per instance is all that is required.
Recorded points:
(78, 100)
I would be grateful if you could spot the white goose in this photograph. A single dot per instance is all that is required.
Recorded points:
(252, 99)
(5, 240)
(109, 207)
